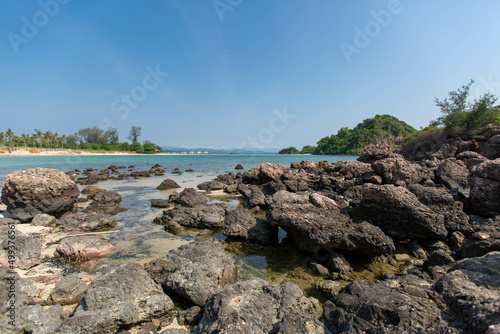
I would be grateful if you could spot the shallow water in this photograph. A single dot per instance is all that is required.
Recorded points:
(139, 239)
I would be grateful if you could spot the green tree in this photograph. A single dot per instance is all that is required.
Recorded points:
(308, 149)
(134, 134)
(137, 147)
(150, 148)
(9, 135)
(112, 136)
(289, 150)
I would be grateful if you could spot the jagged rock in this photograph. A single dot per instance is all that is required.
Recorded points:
(123, 295)
(286, 197)
(453, 174)
(138, 174)
(68, 291)
(226, 179)
(331, 288)
(339, 266)
(88, 222)
(43, 219)
(211, 185)
(254, 196)
(271, 172)
(209, 216)
(443, 203)
(255, 306)
(314, 228)
(471, 158)
(350, 169)
(38, 190)
(394, 170)
(106, 202)
(484, 183)
(310, 167)
(194, 271)
(491, 149)
(294, 165)
(242, 224)
(370, 155)
(439, 258)
(190, 197)
(406, 305)
(84, 247)
(238, 166)
(472, 290)
(399, 213)
(322, 201)
(485, 239)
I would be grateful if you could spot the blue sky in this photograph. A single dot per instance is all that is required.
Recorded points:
(247, 73)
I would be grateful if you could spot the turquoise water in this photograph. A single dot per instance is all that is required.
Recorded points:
(209, 165)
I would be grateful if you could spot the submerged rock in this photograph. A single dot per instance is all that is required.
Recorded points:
(255, 306)
(88, 222)
(38, 190)
(168, 184)
(107, 202)
(190, 197)
(209, 216)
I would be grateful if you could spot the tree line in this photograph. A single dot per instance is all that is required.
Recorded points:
(93, 138)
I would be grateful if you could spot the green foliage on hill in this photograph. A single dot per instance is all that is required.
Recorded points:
(289, 150)
(370, 131)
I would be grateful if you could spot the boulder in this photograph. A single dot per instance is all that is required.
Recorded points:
(242, 224)
(406, 305)
(491, 149)
(309, 167)
(484, 183)
(485, 239)
(106, 202)
(322, 201)
(442, 202)
(471, 158)
(339, 266)
(394, 170)
(286, 197)
(314, 228)
(209, 216)
(399, 213)
(350, 169)
(471, 288)
(371, 155)
(84, 247)
(38, 190)
(68, 291)
(168, 184)
(87, 222)
(195, 271)
(211, 185)
(160, 203)
(255, 306)
(122, 296)
(190, 197)
(226, 179)
(27, 250)
(271, 172)
(92, 190)
(138, 174)
(43, 219)
(453, 174)
(238, 166)
(254, 196)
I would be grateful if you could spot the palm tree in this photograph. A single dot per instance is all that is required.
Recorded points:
(24, 138)
(38, 136)
(48, 138)
(9, 134)
(2, 139)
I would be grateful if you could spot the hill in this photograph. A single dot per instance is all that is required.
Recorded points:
(353, 141)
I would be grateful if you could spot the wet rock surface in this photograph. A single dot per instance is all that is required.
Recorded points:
(88, 222)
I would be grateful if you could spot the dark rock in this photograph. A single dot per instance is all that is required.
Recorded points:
(211, 185)
(84, 247)
(339, 266)
(294, 165)
(88, 222)
(271, 172)
(254, 196)
(439, 258)
(393, 170)
(138, 174)
(149, 328)
(160, 203)
(491, 149)
(373, 178)
(107, 202)
(190, 197)
(195, 271)
(393, 306)
(443, 203)
(168, 184)
(314, 228)
(123, 295)
(300, 181)
(226, 179)
(272, 187)
(330, 288)
(38, 190)
(242, 224)
(286, 197)
(27, 250)
(68, 291)
(255, 306)
(319, 269)
(190, 316)
(399, 213)
(485, 239)
(310, 167)
(238, 166)
(371, 155)
(453, 174)
(43, 219)
(472, 290)
(484, 183)
(205, 216)
(174, 196)
(471, 158)
(322, 201)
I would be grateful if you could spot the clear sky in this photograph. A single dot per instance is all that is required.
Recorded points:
(241, 73)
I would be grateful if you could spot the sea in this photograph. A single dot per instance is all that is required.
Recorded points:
(139, 239)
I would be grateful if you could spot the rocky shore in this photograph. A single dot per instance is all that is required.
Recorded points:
(430, 220)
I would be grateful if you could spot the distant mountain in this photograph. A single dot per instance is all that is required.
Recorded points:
(220, 150)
